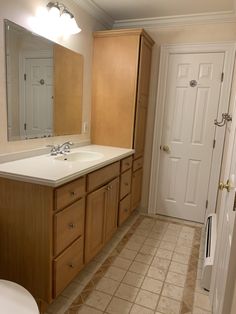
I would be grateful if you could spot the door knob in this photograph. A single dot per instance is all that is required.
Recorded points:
(226, 186)
(166, 148)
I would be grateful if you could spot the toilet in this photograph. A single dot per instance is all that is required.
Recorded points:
(14, 299)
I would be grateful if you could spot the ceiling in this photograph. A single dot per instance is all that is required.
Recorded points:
(144, 9)
(144, 13)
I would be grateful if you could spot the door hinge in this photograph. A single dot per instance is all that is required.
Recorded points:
(206, 203)
(25, 76)
(25, 126)
(222, 76)
(214, 143)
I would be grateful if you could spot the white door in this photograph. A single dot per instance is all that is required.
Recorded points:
(225, 229)
(38, 97)
(192, 98)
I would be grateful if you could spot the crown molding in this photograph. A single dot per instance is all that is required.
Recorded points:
(101, 16)
(178, 20)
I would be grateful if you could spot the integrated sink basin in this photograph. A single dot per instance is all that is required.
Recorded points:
(82, 156)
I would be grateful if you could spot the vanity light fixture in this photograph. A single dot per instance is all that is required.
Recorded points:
(63, 17)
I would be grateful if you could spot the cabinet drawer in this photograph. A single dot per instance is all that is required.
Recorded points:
(124, 209)
(69, 193)
(67, 265)
(138, 163)
(68, 225)
(102, 176)
(126, 163)
(125, 184)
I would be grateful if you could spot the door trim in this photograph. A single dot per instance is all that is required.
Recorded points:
(166, 50)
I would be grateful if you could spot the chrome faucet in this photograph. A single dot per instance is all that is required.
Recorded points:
(60, 149)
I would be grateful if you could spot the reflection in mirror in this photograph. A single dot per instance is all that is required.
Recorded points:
(44, 86)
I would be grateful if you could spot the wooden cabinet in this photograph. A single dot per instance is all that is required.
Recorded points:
(136, 188)
(121, 75)
(101, 217)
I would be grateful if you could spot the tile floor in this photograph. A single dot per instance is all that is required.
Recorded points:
(151, 265)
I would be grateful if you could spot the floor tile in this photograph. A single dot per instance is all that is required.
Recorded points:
(168, 306)
(138, 309)
(164, 254)
(115, 273)
(146, 249)
(133, 279)
(107, 285)
(118, 306)
(144, 258)
(133, 246)
(197, 310)
(161, 263)
(128, 254)
(180, 258)
(98, 300)
(156, 273)
(88, 310)
(152, 285)
(178, 268)
(175, 279)
(121, 262)
(173, 292)
(139, 268)
(167, 245)
(147, 299)
(171, 239)
(202, 301)
(183, 249)
(152, 242)
(126, 292)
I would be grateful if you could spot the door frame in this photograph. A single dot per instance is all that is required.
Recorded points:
(166, 51)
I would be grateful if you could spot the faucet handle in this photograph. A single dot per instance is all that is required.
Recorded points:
(54, 149)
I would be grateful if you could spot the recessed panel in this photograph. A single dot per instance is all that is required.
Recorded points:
(183, 71)
(178, 115)
(200, 118)
(35, 72)
(205, 71)
(36, 106)
(192, 182)
(173, 167)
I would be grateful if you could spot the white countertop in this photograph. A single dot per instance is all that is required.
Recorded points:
(47, 170)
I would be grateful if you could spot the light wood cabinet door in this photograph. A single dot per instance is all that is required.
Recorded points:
(95, 218)
(142, 96)
(136, 188)
(111, 208)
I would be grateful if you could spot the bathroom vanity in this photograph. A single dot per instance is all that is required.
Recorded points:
(57, 212)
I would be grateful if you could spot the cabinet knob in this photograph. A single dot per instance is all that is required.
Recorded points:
(126, 184)
(109, 187)
(71, 265)
(127, 164)
(71, 225)
(72, 193)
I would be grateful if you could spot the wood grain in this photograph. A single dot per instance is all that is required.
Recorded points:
(26, 236)
(124, 209)
(126, 163)
(125, 183)
(68, 91)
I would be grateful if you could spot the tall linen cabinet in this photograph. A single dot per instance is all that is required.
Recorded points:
(121, 75)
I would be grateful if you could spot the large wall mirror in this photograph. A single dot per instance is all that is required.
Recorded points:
(44, 86)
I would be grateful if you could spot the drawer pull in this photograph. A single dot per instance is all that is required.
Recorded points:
(72, 193)
(108, 188)
(126, 184)
(127, 164)
(71, 225)
(71, 265)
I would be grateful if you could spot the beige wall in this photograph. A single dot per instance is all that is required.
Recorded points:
(222, 32)
(20, 12)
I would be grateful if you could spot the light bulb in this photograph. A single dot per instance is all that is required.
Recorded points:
(54, 12)
(74, 28)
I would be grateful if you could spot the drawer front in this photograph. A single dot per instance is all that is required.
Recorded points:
(102, 176)
(69, 193)
(68, 225)
(124, 209)
(67, 265)
(125, 184)
(137, 164)
(126, 163)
